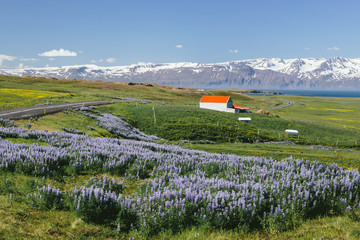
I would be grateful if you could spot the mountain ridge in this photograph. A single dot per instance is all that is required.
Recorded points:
(262, 73)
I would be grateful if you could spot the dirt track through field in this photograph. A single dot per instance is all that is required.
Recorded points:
(284, 106)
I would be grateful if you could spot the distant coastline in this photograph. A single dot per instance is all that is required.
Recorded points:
(258, 92)
(305, 93)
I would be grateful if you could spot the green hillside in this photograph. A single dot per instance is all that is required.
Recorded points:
(329, 133)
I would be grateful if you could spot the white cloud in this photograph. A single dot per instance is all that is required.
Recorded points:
(29, 59)
(306, 48)
(58, 53)
(179, 46)
(21, 65)
(233, 51)
(334, 48)
(101, 60)
(6, 58)
(51, 59)
(110, 60)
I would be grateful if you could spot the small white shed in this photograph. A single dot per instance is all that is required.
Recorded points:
(245, 119)
(291, 133)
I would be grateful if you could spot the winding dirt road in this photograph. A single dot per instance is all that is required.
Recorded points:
(283, 106)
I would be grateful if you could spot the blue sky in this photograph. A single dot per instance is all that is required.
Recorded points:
(116, 32)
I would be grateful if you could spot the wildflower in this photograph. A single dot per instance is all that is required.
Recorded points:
(78, 204)
(348, 208)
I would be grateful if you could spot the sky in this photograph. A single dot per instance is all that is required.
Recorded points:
(42, 33)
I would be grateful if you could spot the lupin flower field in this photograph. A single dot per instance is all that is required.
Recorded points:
(176, 188)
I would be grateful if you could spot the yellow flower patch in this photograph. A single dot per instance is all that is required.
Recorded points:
(10, 97)
(342, 119)
(333, 109)
(32, 94)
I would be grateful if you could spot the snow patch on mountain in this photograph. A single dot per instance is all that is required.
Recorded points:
(309, 68)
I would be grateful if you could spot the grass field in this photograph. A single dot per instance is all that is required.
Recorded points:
(81, 90)
(320, 121)
(68, 119)
(176, 122)
(342, 113)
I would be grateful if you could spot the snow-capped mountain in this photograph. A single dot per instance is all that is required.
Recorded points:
(310, 68)
(273, 73)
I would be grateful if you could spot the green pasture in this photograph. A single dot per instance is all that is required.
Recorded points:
(341, 113)
(176, 122)
(320, 121)
(179, 122)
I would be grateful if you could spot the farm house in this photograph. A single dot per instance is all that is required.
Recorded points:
(239, 109)
(221, 103)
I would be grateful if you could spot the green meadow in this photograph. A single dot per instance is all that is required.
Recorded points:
(175, 116)
(342, 113)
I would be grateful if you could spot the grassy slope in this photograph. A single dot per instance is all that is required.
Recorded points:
(175, 122)
(69, 119)
(97, 90)
(21, 221)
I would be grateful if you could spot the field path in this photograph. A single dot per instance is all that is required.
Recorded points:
(289, 103)
(41, 110)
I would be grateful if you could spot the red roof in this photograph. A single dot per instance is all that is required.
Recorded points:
(239, 107)
(215, 99)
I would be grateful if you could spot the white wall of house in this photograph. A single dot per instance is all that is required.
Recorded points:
(232, 110)
(224, 107)
(215, 106)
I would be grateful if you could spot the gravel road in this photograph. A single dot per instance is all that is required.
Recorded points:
(41, 110)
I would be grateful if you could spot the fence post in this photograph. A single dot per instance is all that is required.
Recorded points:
(154, 115)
